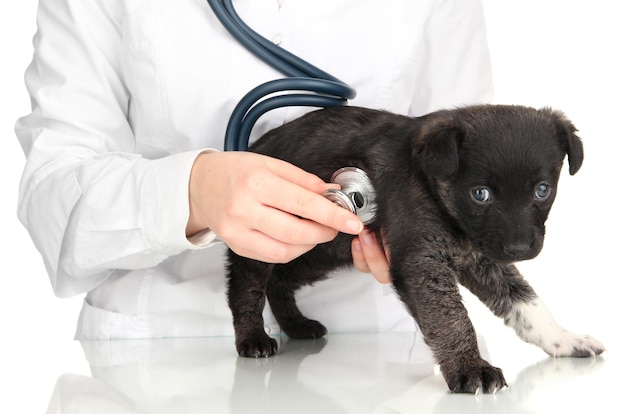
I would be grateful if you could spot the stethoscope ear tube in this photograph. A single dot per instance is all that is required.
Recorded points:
(302, 76)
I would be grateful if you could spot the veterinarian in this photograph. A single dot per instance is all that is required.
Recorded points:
(125, 191)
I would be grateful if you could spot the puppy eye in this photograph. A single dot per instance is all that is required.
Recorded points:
(543, 191)
(481, 194)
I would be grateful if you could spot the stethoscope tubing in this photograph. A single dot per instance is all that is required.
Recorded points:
(326, 90)
(248, 111)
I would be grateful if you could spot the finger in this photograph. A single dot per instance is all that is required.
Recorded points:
(300, 194)
(258, 246)
(375, 257)
(290, 229)
(298, 176)
(303, 203)
(358, 257)
(382, 235)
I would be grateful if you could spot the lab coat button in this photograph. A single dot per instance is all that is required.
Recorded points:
(277, 39)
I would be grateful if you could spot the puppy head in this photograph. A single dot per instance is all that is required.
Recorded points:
(495, 170)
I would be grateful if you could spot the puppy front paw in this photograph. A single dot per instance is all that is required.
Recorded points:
(568, 344)
(472, 376)
(257, 346)
(534, 323)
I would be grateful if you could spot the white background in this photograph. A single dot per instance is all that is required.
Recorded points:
(567, 54)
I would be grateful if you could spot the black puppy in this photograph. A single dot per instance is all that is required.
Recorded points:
(461, 195)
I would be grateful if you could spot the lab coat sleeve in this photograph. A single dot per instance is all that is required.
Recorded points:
(455, 64)
(90, 204)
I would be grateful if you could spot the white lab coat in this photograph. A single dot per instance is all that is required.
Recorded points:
(125, 95)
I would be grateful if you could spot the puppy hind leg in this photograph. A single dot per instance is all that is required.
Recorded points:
(247, 281)
(280, 295)
(533, 322)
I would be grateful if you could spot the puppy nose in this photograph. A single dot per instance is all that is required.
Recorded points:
(517, 249)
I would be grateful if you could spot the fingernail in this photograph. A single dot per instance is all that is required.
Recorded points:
(357, 246)
(355, 226)
(368, 238)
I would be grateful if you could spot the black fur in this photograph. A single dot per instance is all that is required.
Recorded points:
(428, 173)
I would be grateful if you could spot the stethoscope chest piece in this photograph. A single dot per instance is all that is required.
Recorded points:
(356, 195)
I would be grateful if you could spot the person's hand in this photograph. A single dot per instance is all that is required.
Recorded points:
(263, 208)
(369, 257)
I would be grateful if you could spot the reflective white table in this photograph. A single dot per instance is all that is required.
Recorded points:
(343, 373)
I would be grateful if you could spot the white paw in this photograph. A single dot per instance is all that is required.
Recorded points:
(568, 344)
(534, 323)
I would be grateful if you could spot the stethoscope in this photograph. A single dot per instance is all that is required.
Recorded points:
(321, 90)
(324, 90)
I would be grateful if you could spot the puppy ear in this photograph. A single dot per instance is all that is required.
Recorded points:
(572, 144)
(436, 148)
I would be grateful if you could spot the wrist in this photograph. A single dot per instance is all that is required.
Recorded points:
(197, 223)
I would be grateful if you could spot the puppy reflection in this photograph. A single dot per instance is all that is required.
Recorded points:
(532, 386)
